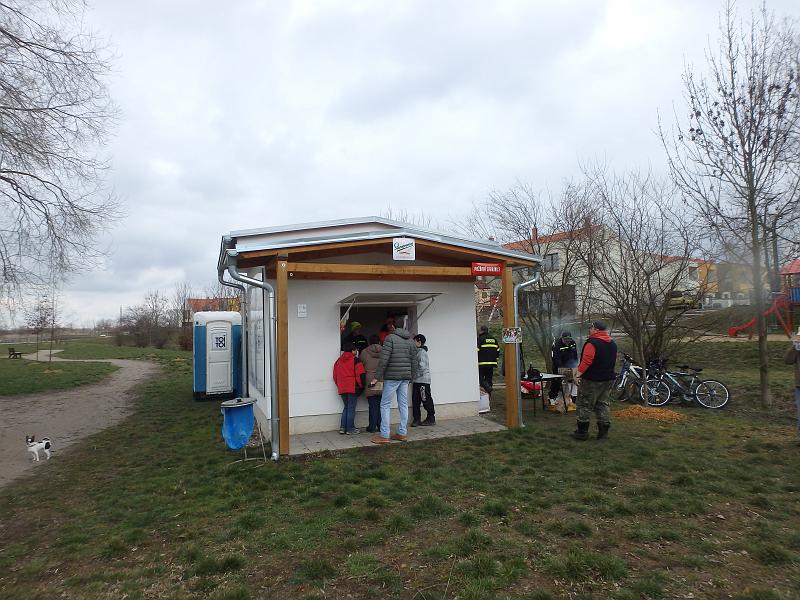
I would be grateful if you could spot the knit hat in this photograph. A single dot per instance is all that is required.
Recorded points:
(355, 325)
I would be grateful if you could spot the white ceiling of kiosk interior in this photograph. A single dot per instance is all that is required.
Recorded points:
(387, 299)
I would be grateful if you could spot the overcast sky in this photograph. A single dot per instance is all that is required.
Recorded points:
(260, 113)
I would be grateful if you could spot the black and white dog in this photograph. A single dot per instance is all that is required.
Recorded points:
(34, 446)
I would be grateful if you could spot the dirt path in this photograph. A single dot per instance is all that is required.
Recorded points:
(64, 416)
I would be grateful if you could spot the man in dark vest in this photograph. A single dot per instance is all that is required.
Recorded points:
(595, 377)
(488, 352)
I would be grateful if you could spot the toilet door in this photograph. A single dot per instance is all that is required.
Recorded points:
(218, 344)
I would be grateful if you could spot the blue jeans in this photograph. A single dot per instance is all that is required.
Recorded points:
(349, 412)
(390, 388)
(374, 412)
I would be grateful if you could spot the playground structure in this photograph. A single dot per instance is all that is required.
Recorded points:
(785, 306)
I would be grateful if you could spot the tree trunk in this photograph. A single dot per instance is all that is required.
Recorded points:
(761, 323)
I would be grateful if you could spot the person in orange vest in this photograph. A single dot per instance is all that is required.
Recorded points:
(595, 377)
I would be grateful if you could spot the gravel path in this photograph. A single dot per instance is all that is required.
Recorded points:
(64, 416)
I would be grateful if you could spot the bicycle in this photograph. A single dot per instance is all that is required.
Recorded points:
(629, 378)
(709, 393)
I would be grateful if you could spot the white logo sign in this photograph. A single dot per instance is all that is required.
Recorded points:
(403, 249)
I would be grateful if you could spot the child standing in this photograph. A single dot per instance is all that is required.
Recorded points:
(349, 376)
(371, 357)
(421, 392)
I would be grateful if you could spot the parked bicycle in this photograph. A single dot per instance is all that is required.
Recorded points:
(628, 384)
(685, 386)
(628, 381)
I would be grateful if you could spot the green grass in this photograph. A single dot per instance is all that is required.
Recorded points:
(706, 507)
(28, 377)
(106, 348)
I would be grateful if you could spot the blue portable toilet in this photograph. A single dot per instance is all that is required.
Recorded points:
(217, 354)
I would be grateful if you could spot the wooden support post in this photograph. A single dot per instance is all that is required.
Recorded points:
(510, 356)
(282, 315)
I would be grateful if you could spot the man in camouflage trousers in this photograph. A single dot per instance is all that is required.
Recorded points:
(595, 377)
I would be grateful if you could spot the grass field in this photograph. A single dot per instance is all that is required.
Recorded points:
(28, 377)
(152, 509)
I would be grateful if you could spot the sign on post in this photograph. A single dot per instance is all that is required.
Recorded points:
(512, 335)
(403, 249)
(482, 268)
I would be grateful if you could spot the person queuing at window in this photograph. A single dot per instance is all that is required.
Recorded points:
(565, 359)
(488, 353)
(355, 337)
(396, 368)
(595, 377)
(349, 376)
(387, 328)
(371, 356)
(421, 388)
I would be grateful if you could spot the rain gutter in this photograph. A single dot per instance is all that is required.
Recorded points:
(517, 391)
(227, 262)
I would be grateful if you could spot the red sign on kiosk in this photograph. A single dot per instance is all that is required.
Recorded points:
(481, 268)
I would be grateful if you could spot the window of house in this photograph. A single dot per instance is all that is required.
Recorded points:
(693, 273)
(551, 262)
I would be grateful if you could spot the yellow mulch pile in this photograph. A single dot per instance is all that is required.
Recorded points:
(650, 413)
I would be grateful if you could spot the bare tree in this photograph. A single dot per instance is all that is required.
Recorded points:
(180, 314)
(533, 222)
(55, 114)
(639, 252)
(735, 156)
(38, 318)
(148, 322)
(177, 309)
(230, 296)
(420, 219)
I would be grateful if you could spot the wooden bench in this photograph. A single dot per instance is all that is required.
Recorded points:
(14, 354)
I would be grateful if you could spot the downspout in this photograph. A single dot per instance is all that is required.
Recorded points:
(227, 242)
(230, 255)
(517, 288)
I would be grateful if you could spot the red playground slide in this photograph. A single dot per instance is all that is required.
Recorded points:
(780, 308)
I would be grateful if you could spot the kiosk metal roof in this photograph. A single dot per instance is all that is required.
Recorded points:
(308, 236)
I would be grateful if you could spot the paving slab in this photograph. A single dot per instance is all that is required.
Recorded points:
(325, 441)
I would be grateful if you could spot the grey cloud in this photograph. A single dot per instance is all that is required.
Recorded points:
(264, 113)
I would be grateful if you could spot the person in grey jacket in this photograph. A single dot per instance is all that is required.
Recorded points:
(396, 368)
(421, 388)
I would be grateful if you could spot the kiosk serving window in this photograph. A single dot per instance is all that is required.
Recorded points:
(373, 309)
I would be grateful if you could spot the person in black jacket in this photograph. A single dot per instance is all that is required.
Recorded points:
(355, 337)
(595, 377)
(488, 353)
(565, 356)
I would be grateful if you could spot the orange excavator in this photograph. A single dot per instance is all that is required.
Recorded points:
(781, 308)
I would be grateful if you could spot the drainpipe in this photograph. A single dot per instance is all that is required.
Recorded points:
(226, 243)
(517, 288)
(230, 262)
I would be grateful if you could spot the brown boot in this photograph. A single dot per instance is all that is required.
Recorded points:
(399, 437)
(378, 439)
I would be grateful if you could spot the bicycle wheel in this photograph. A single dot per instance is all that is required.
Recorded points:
(712, 394)
(657, 394)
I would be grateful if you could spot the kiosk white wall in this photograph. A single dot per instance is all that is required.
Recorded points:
(314, 342)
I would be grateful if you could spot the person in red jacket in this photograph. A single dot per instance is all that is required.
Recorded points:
(595, 377)
(349, 375)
